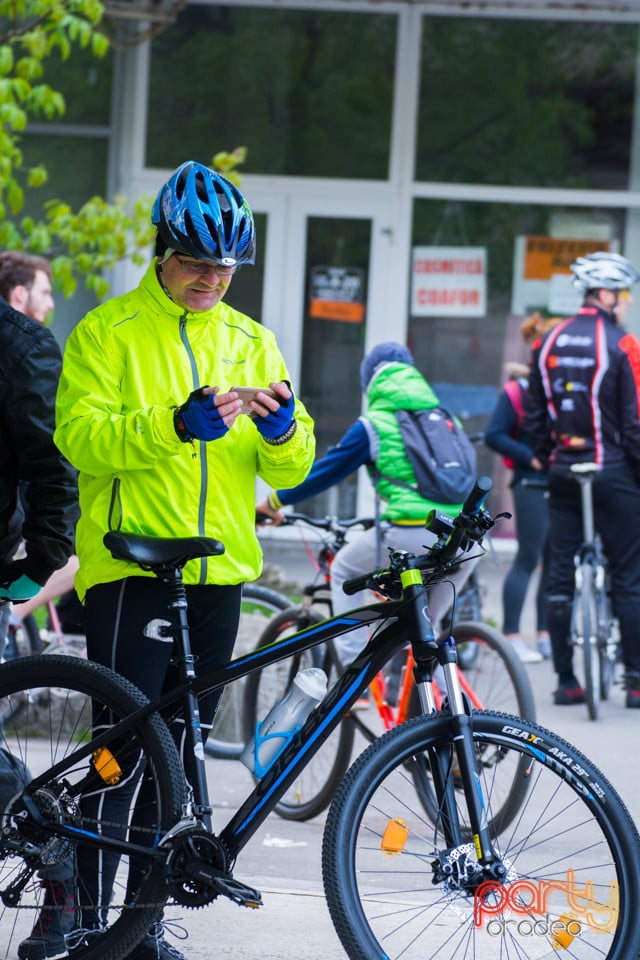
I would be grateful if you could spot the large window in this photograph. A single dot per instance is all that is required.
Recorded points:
(540, 103)
(309, 93)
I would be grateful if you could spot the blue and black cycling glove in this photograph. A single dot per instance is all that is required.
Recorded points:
(198, 418)
(278, 426)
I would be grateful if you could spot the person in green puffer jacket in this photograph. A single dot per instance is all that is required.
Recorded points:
(391, 382)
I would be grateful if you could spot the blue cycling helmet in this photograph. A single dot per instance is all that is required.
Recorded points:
(202, 214)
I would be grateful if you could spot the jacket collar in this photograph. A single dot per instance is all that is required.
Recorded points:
(162, 304)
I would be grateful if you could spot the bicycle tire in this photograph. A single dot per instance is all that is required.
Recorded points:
(501, 682)
(394, 890)
(497, 675)
(23, 640)
(226, 738)
(607, 649)
(587, 631)
(315, 785)
(61, 694)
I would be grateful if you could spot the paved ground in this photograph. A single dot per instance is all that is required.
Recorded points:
(283, 860)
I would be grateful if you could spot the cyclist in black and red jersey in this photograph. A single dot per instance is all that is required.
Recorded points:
(583, 406)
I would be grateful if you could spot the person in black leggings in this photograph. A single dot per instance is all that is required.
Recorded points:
(120, 618)
(583, 406)
(148, 412)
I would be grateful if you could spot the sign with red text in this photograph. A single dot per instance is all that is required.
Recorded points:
(449, 282)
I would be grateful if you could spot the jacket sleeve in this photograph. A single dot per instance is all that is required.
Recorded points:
(290, 462)
(498, 434)
(340, 461)
(92, 430)
(629, 394)
(51, 500)
(537, 423)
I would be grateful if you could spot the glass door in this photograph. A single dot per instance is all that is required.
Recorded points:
(334, 320)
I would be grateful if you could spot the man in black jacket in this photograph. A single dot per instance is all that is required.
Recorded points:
(583, 406)
(38, 492)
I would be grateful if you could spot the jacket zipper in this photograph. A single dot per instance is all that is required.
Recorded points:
(204, 468)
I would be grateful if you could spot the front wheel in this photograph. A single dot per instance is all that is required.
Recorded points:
(138, 794)
(495, 679)
(316, 783)
(571, 860)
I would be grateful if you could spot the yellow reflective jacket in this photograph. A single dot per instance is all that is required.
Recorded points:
(126, 366)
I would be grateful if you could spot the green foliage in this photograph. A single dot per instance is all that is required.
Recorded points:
(90, 240)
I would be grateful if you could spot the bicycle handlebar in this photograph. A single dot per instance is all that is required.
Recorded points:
(328, 524)
(468, 527)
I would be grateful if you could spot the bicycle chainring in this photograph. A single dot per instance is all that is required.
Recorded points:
(188, 850)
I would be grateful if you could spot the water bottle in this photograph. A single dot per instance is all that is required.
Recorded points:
(284, 720)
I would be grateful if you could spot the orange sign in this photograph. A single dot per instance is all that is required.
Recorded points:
(546, 256)
(337, 310)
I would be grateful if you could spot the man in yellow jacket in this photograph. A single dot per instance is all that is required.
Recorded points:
(147, 414)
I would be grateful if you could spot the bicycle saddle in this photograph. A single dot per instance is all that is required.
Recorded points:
(159, 552)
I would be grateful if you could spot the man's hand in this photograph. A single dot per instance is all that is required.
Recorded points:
(277, 516)
(206, 415)
(274, 418)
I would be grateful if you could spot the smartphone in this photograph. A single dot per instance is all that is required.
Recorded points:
(248, 393)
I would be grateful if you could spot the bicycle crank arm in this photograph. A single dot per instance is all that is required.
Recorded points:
(225, 885)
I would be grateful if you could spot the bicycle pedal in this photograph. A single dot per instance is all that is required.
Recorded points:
(236, 891)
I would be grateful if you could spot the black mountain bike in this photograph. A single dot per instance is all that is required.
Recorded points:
(491, 674)
(421, 858)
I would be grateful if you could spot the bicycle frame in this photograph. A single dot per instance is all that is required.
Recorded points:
(406, 620)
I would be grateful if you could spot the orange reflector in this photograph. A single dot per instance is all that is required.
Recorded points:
(107, 765)
(394, 837)
(561, 936)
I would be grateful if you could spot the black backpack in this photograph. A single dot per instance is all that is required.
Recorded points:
(441, 454)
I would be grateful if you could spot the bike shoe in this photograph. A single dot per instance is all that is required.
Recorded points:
(632, 683)
(155, 947)
(56, 920)
(568, 692)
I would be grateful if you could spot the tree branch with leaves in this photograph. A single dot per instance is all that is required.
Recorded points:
(86, 242)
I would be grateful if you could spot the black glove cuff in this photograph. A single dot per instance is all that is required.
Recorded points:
(179, 427)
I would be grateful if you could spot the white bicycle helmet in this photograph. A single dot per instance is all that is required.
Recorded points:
(603, 271)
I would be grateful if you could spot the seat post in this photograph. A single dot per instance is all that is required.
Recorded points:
(178, 602)
(193, 750)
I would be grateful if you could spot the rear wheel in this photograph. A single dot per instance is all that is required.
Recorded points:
(315, 785)
(226, 739)
(608, 632)
(66, 700)
(586, 631)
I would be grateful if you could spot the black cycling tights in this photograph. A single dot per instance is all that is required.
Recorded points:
(117, 614)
